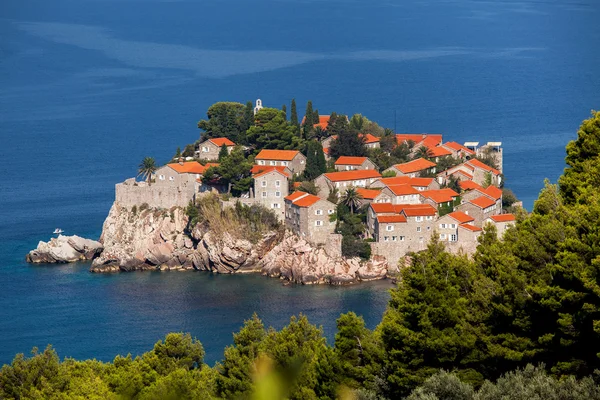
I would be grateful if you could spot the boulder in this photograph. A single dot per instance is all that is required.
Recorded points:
(65, 249)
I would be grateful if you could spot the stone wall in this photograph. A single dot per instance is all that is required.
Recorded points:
(395, 251)
(131, 193)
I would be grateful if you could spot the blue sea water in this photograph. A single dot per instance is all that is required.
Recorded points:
(90, 87)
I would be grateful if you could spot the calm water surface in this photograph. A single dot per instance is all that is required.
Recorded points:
(90, 87)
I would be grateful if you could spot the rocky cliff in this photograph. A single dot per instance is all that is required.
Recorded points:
(64, 249)
(153, 239)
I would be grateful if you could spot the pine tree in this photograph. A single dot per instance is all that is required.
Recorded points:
(294, 115)
(223, 152)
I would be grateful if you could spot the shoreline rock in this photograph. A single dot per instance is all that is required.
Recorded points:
(65, 249)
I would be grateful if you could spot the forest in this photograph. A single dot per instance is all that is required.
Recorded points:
(519, 319)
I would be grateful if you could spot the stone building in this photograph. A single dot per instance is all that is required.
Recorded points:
(417, 228)
(343, 180)
(471, 191)
(400, 194)
(209, 149)
(502, 222)
(417, 183)
(369, 196)
(345, 163)
(413, 168)
(371, 141)
(292, 159)
(270, 189)
(473, 170)
(458, 150)
(309, 216)
(480, 209)
(445, 197)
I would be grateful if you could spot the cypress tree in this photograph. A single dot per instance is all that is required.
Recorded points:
(223, 152)
(316, 117)
(315, 160)
(309, 121)
(284, 109)
(294, 114)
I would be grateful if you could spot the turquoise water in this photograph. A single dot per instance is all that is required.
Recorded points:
(90, 87)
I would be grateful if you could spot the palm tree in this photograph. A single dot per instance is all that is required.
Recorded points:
(352, 199)
(147, 168)
(423, 152)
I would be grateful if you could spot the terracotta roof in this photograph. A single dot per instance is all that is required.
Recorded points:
(388, 208)
(431, 141)
(280, 155)
(494, 192)
(346, 160)
(415, 210)
(458, 147)
(368, 138)
(403, 190)
(295, 196)
(264, 171)
(352, 175)
(470, 185)
(326, 150)
(441, 195)
(460, 171)
(461, 217)
(439, 152)
(222, 141)
(306, 201)
(503, 218)
(296, 184)
(470, 227)
(407, 180)
(258, 169)
(418, 137)
(323, 122)
(190, 167)
(419, 164)
(390, 219)
(483, 202)
(478, 164)
(368, 194)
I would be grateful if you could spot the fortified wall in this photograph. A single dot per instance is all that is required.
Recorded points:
(132, 193)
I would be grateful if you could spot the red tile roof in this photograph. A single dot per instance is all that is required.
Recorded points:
(306, 201)
(352, 175)
(431, 141)
(222, 141)
(416, 210)
(493, 192)
(470, 185)
(478, 164)
(190, 167)
(385, 208)
(368, 194)
(407, 180)
(418, 138)
(460, 171)
(326, 150)
(461, 217)
(440, 195)
(419, 164)
(264, 171)
(470, 227)
(403, 190)
(439, 152)
(346, 160)
(458, 147)
(295, 196)
(390, 219)
(503, 218)
(368, 138)
(483, 202)
(279, 155)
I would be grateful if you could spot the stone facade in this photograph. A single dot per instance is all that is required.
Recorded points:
(270, 189)
(343, 180)
(354, 163)
(209, 149)
(308, 216)
(292, 159)
(131, 193)
(478, 213)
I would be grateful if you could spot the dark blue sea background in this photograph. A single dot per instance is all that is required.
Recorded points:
(90, 87)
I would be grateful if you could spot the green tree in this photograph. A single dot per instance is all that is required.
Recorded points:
(352, 199)
(223, 152)
(233, 171)
(272, 131)
(147, 168)
(348, 142)
(308, 187)
(422, 152)
(284, 111)
(308, 115)
(178, 350)
(248, 121)
(294, 114)
(225, 119)
(315, 160)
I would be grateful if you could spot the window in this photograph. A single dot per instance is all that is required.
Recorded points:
(453, 238)
(263, 183)
(428, 228)
(386, 238)
(389, 228)
(264, 194)
(161, 177)
(419, 219)
(453, 226)
(329, 212)
(277, 194)
(204, 149)
(429, 218)
(443, 236)
(171, 178)
(418, 229)
(442, 226)
(261, 162)
(275, 205)
(272, 163)
(277, 183)
(394, 238)
(402, 238)
(284, 163)
(318, 212)
(318, 223)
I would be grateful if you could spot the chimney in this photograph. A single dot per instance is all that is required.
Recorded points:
(180, 160)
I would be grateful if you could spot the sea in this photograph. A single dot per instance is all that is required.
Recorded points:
(90, 87)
